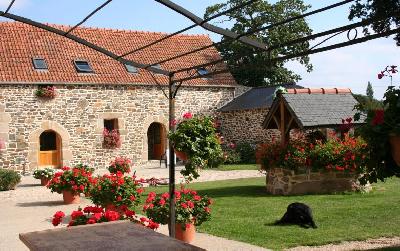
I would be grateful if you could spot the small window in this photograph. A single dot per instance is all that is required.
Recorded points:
(111, 124)
(39, 64)
(131, 68)
(158, 66)
(203, 71)
(83, 66)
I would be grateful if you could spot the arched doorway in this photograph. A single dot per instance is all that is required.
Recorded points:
(50, 149)
(156, 141)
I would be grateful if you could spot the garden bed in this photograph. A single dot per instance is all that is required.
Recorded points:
(281, 181)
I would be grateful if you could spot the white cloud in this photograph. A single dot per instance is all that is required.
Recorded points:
(352, 67)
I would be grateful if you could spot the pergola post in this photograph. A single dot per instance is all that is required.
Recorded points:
(171, 98)
(282, 122)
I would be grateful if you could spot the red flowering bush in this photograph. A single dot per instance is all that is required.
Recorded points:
(197, 137)
(46, 92)
(94, 214)
(117, 190)
(74, 180)
(381, 124)
(190, 207)
(347, 154)
(120, 164)
(111, 139)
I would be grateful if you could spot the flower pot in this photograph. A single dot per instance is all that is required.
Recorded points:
(70, 198)
(185, 235)
(44, 181)
(395, 147)
(181, 155)
(112, 207)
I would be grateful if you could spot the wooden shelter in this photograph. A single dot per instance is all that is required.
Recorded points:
(309, 109)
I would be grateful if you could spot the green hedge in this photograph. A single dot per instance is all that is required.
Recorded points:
(8, 179)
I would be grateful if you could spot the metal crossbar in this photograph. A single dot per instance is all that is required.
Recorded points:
(252, 31)
(188, 28)
(9, 6)
(88, 16)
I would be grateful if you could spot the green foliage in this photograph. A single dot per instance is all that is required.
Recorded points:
(247, 152)
(379, 125)
(231, 156)
(366, 102)
(117, 190)
(47, 173)
(196, 136)
(370, 91)
(384, 11)
(9, 179)
(251, 67)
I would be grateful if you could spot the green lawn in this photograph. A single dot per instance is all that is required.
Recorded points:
(243, 211)
(231, 167)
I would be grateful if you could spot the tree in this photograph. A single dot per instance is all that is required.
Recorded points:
(370, 91)
(385, 11)
(251, 66)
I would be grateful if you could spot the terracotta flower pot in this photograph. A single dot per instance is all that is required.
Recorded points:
(112, 207)
(181, 155)
(395, 146)
(185, 235)
(70, 198)
(44, 181)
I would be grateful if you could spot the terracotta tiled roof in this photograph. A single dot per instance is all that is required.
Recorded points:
(319, 91)
(19, 43)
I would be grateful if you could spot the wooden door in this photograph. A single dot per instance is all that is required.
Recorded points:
(50, 149)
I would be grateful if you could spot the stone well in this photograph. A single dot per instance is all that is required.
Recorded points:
(286, 182)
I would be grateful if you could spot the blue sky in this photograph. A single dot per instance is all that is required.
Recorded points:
(350, 67)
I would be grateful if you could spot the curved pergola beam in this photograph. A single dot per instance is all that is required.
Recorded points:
(83, 42)
(200, 22)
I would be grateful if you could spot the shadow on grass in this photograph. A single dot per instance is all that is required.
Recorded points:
(242, 191)
(40, 204)
(386, 249)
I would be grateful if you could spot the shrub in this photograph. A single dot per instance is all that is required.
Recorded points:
(247, 152)
(116, 190)
(120, 164)
(75, 180)
(231, 156)
(189, 206)
(8, 179)
(347, 154)
(47, 173)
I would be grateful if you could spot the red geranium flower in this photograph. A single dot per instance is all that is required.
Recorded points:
(187, 115)
(378, 117)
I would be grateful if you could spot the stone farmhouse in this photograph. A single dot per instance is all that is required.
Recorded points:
(93, 93)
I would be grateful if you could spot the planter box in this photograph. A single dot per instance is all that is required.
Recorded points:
(287, 182)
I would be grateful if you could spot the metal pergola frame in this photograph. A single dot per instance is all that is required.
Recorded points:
(175, 84)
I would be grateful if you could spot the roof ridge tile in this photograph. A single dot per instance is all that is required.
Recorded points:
(318, 91)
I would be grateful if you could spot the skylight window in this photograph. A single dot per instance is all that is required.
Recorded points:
(202, 72)
(83, 66)
(131, 68)
(158, 66)
(39, 63)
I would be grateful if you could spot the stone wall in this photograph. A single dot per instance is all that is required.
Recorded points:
(77, 115)
(246, 126)
(285, 182)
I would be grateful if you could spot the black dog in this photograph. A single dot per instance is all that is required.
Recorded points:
(298, 213)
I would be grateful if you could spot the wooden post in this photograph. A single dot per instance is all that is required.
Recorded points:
(282, 124)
